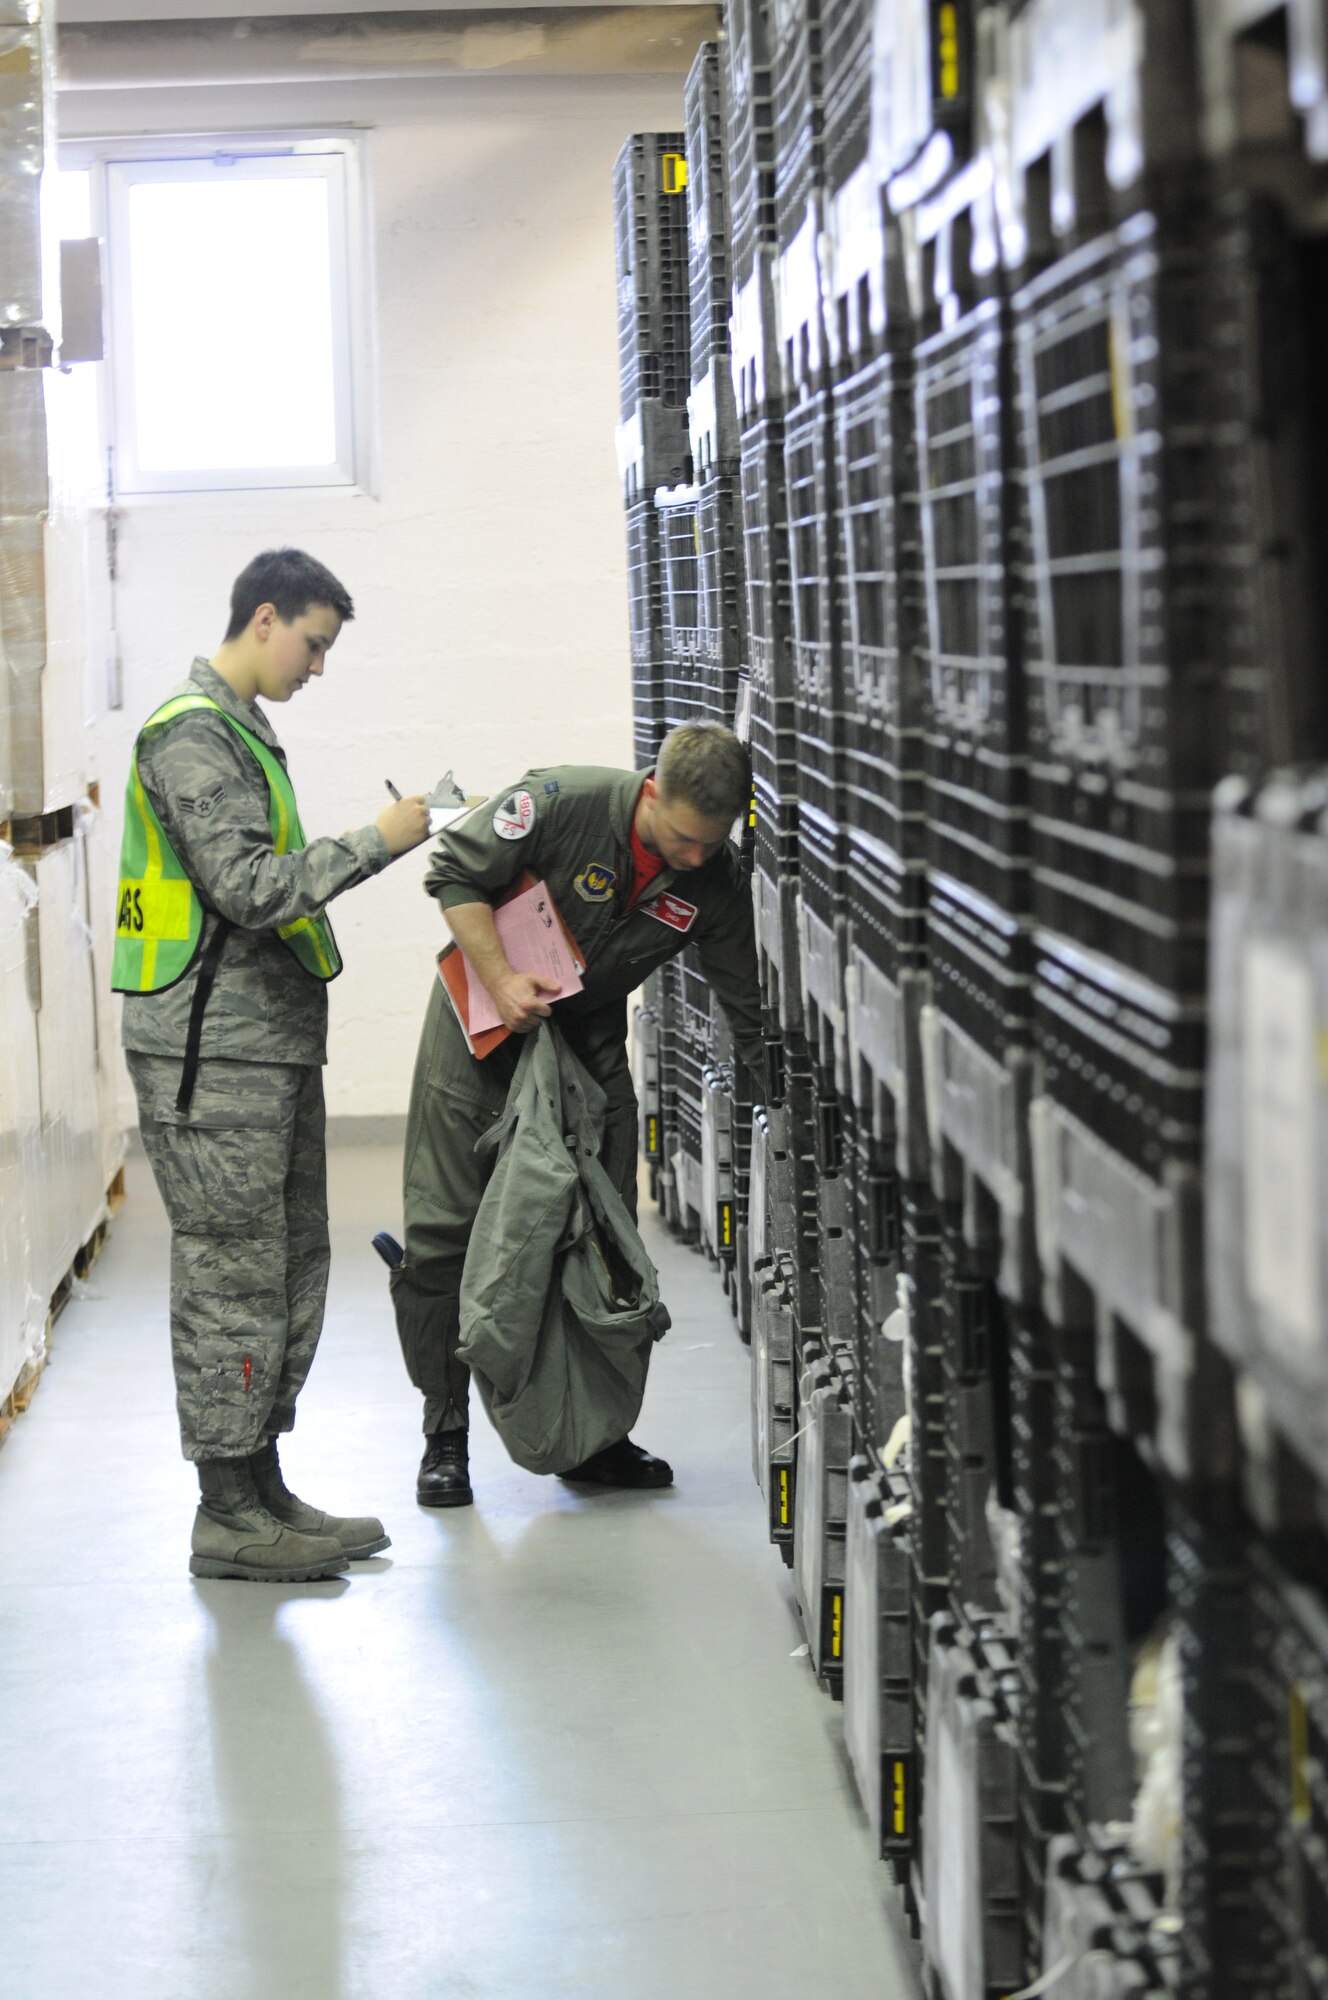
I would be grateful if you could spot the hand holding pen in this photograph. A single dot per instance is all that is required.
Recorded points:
(403, 824)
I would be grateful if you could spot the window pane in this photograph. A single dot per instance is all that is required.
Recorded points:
(232, 306)
(70, 197)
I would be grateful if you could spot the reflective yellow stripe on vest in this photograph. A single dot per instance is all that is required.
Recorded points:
(159, 918)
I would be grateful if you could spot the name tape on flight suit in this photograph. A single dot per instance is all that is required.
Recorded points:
(672, 910)
(515, 816)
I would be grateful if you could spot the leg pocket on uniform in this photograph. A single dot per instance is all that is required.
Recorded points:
(427, 1323)
(222, 1166)
(233, 1386)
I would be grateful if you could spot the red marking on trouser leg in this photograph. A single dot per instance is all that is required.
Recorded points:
(248, 1371)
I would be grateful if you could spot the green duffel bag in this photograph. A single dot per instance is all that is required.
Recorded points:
(560, 1303)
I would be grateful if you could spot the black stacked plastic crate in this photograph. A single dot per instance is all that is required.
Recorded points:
(976, 752)
(879, 612)
(1291, 1689)
(1118, 436)
(645, 593)
(714, 420)
(796, 28)
(721, 649)
(749, 132)
(654, 336)
(675, 512)
(975, 1375)
(846, 62)
(654, 324)
(1230, 1942)
(970, 1815)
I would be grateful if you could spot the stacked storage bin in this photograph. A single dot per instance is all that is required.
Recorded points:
(1027, 310)
(759, 409)
(721, 648)
(1264, 1135)
(60, 1148)
(650, 237)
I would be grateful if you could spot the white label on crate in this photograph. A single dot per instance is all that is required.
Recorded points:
(1280, 1113)
(956, 1929)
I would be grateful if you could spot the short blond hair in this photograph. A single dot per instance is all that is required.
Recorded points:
(703, 765)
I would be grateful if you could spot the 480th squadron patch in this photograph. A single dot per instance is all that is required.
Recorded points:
(515, 816)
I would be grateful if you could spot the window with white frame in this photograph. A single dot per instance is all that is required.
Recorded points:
(232, 335)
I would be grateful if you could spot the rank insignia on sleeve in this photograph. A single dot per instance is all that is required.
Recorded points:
(205, 803)
(515, 816)
(595, 883)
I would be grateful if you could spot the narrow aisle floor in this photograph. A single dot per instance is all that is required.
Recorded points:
(553, 1746)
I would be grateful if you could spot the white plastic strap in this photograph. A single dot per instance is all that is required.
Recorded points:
(899, 1437)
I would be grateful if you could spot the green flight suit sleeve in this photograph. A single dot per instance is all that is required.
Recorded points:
(726, 947)
(474, 864)
(211, 796)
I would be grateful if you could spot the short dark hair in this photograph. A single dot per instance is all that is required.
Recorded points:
(292, 581)
(703, 765)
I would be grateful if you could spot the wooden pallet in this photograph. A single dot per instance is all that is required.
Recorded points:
(20, 1396)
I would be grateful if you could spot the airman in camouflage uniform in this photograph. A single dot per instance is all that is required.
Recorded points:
(242, 1168)
(640, 867)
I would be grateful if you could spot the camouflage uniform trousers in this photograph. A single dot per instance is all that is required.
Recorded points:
(454, 1102)
(243, 1176)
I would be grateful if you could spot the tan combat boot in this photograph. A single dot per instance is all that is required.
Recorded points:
(235, 1535)
(358, 1535)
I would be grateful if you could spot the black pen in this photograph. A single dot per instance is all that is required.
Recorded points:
(392, 788)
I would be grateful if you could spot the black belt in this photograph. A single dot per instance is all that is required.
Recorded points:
(207, 974)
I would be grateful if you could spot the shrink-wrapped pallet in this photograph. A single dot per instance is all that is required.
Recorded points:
(22, 1311)
(54, 610)
(29, 249)
(98, 866)
(73, 1191)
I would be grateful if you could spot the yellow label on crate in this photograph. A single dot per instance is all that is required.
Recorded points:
(1118, 353)
(726, 1225)
(1300, 1757)
(783, 1496)
(837, 1625)
(158, 910)
(652, 1137)
(899, 1813)
(675, 173)
(948, 42)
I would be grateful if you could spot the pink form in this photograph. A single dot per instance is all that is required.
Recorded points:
(532, 941)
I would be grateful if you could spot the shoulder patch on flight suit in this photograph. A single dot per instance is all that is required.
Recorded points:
(673, 911)
(551, 786)
(515, 816)
(595, 883)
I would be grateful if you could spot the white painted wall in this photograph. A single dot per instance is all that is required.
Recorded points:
(488, 571)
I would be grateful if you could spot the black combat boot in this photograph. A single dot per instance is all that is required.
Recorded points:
(444, 1476)
(622, 1464)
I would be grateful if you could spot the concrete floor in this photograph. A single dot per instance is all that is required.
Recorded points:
(553, 1746)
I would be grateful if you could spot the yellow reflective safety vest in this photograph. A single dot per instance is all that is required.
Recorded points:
(158, 915)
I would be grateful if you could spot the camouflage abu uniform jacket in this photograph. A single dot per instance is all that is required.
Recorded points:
(571, 824)
(211, 797)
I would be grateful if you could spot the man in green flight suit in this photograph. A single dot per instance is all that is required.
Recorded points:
(223, 953)
(640, 866)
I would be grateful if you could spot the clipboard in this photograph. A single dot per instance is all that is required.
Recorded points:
(453, 970)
